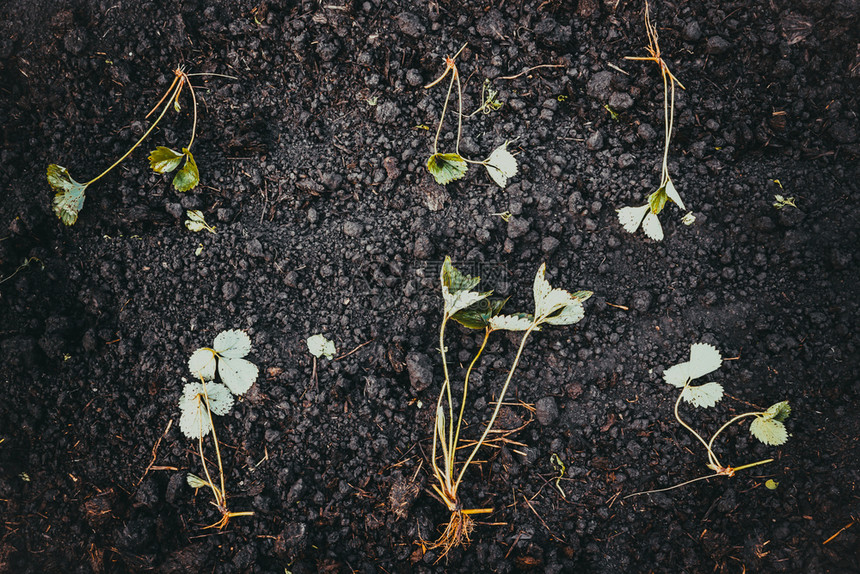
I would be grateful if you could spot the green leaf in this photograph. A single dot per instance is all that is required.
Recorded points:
(164, 160)
(582, 296)
(196, 222)
(70, 196)
(769, 431)
(195, 481)
(233, 344)
(446, 167)
(771, 484)
(456, 281)
(188, 177)
(478, 316)
(657, 200)
(778, 412)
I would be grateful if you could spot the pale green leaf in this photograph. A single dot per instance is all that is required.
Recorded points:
(703, 396)
(202, 364)
(631, 217)
(769, 431)
(446, 167)
(771, 484)
(233, 344)
(188, 177)
(237, 374)
(672, 194)
(452, 278)
(220, 398)
(704, 359)
(547, 299)
(459, 300)
(318, 345)
(519, 322)
(568, 315)
(501, 165)
(164, 160)
(70, 196)
(652, 228)
(193, 420)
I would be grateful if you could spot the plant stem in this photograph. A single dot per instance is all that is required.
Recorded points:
(439, 432)
(442, 119)
(465, 392)
(459, 111)
(222, 500)
(673, 487)
(211, 75)
(722, 428)
(711, 457)
(194, 107)
(752, 464)
(143, 137)
(499, 402)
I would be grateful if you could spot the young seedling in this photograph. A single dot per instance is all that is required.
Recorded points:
(489, 100)
(767, 425)
(646, 215)
(448, 167)
(476, 310)
(70, 196)
(200, 400)
(318, 345)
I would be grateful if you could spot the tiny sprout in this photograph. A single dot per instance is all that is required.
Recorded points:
(783, 201)
(196, 222)
(505, 215)
(688, 219)
(556, 460)
(372, 101)
(767, 427)
(612, 113)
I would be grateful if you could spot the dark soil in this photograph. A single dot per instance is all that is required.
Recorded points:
(312, 171)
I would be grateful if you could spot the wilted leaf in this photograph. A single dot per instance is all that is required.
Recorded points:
(501, 165)
(456, 289)
(568, 315)
(195, 481)
(452, 278)
(478, 315)
(164, 160)
(657, 200)
(70, 196)
(446, 167)
(704, 359)
(188, 177)
(318, 345)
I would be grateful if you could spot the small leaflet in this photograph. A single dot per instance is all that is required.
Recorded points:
(318, 345)
(446, 167)
(511, 322)
(196, 222)
(164, 160)
(70, 196)
(195, 481)
(769, 431)
(188, 177)
(194, 420)
(672, 193)
(704, 359)
(703, 396)
(233, 344)
(202, 364)
(652, 228)
(547, 299)
(771, 484)
(501, 165)
(631, 217)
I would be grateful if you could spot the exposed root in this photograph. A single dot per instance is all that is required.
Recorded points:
(457, 533)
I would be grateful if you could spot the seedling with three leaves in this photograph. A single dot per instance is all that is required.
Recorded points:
(646, 215)
(478, 310)
(767, 426)
(70, 196)
(448, 167)
(201, 399)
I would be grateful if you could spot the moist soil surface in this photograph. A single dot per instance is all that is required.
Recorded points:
(312, 169)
